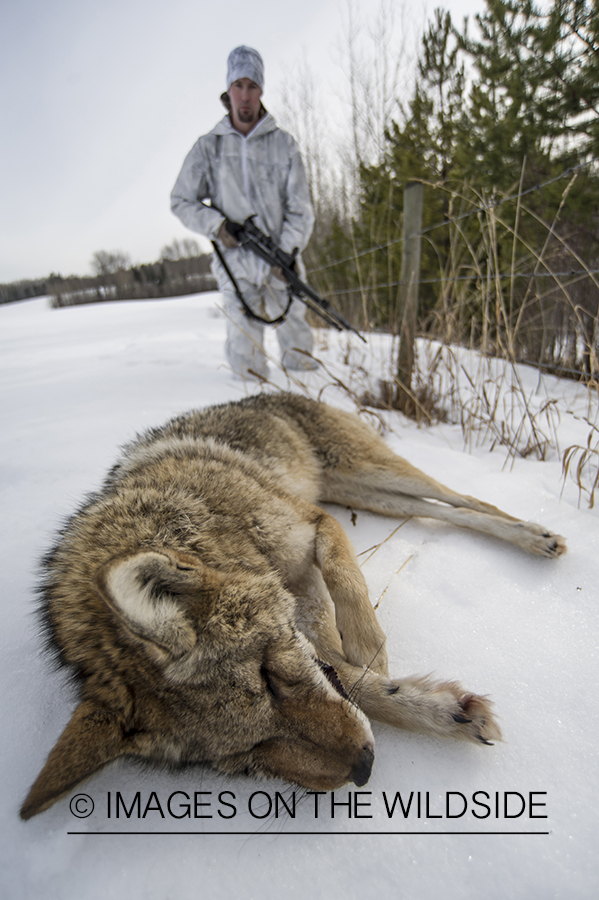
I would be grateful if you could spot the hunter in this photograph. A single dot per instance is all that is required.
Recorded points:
(248, 166)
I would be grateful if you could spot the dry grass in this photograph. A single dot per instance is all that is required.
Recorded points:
(497, 404)
(582, 464)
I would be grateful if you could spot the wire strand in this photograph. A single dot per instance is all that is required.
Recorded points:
(473, 277)
(451, 221)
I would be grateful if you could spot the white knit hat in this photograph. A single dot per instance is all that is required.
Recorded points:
(244, 62)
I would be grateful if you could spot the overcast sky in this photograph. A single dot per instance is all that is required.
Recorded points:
(100, 103)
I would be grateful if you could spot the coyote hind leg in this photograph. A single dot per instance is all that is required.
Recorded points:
(387, 484)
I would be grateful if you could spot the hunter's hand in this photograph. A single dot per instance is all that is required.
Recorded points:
(277, 272)
(225, 237)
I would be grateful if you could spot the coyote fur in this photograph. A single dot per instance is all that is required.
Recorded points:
(213, 613)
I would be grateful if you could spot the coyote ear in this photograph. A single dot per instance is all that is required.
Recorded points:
(146, 590)
(91, 739)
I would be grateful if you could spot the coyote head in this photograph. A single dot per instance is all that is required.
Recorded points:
(182, 665)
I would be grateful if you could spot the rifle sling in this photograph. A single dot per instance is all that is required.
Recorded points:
(249, 312)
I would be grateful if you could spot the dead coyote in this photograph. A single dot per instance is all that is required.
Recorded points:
(212, 613)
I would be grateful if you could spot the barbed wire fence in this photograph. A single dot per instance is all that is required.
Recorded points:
(564, 269)
(539, 296)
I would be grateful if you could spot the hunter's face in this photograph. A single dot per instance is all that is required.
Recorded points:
(245, 104)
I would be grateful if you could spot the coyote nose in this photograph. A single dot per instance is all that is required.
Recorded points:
(361, 772)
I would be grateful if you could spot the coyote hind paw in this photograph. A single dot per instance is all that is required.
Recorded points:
(537, 539)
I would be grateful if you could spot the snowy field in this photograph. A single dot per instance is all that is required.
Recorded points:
(517, 820)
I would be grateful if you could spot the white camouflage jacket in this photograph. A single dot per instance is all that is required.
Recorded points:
(261, 174)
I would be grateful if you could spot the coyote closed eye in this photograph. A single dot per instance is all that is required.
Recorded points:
(212, 613)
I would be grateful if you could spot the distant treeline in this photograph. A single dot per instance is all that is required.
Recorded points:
(166, 278)
(22, 290)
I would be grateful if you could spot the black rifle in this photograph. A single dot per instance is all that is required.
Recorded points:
(250, 236)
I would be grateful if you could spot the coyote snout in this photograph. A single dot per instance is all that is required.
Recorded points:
(212, 613)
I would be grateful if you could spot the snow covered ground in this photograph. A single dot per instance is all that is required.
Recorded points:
(74, 385)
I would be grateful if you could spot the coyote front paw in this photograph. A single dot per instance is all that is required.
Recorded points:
(473, 719)
(440, 708)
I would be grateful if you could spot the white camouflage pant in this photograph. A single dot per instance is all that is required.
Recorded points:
(245, 336)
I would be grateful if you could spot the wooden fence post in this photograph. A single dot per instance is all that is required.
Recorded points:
(410, 276)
